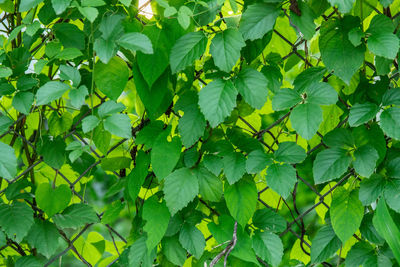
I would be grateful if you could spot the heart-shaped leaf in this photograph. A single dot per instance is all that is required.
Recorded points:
(52, 200)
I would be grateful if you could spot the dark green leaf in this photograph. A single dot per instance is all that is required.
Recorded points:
(387, 228)
(217, 101)
(253, 86)
(257, 20)
(75, 216)
(281, 178)
(16, 220)
(330, 164)
(180, 188)
(111, 78)
(346, 213)
(186, 50)
(225, 49)
(241, 200)
(324, 244)
(306, 119)
(44, 237)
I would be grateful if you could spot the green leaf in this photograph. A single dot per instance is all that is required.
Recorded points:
(308, 77)
(119, 125)
(173, 250)
(170, 11)
(69, 53)
(391, 97)
(25, 5)
(70, 35)
(281, 178)
(70, 73)
(75, 216)
(362, 113)
(355, 35)
(285, 98)
(371, 189)
(269, 247)
(8, 162)
(89, 123)
(324, 244)
(111, 214)
(306, 119)
(44, 237)
(15, 220)
(192, 240)
(392, 194)
(156, 99)
(257, 20)
(149, 133)
(366, 158)
(157, 217)
(50, 91)
(111, 78)
(359, 254)
(60, 124)
(77, 96)
(273, 75)
(305, 22)
(256, 161)
(153, 65)
(267, 219)
(290, 152)
(387, 228)
(186, 50)
(213, 163)
(241, 200)
(224, 232)
(386, 3)
(105, 49)
(346, 213)
(115, 163)
(344, 6)
(383, 65)
(136, 41)
(184, 15)
(5, 72)
(330, 164)
(53, 151)
(110, 107)
(390, 122)
(5, 123)
(382, 41)
(191, 126)
(234, 166)
(60, 6)
(321, 93)
(217, 101)
(210, 186)
(165, 155)
(101, 138)
(225, 49)
(30, 261)
(180, 187)
(368, 230)
(52, 200)
(90, 13)
(337, 52)
(138, 175)
(137, 252)
(253, 86)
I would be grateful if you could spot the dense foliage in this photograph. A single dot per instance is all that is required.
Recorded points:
(199, 133)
